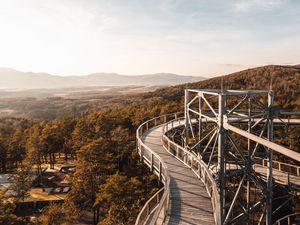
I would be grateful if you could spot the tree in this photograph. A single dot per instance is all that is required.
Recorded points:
(121, 141)
(3, 155)
(7, 208)
(67, 125)
(22, 182)
(34, 154)
(17, 148)
(51, 141)
(96, 162)
(54, 215)
(82, 134)
(119, 197)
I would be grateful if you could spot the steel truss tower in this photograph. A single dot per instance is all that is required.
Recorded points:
(232, 132)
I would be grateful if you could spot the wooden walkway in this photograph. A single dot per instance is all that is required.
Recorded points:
(190, 203)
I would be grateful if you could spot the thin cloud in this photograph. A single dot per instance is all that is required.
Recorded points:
(248, 5)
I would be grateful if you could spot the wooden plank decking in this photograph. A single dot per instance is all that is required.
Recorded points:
(190, 203)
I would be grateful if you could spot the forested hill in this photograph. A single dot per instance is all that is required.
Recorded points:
(283, 80)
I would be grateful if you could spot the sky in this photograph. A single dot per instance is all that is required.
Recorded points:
(188, 37)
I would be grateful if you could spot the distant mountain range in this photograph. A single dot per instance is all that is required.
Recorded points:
(13, 79)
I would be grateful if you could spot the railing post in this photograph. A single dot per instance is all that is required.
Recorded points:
(147, 126)
(279, 166)
(148, 210)
(159, 173)
(142, 153)
(152, 162)
(298, 171)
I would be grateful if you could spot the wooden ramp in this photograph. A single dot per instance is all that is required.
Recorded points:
(190, 203)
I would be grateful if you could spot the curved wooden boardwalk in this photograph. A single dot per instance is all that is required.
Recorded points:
(190, 203)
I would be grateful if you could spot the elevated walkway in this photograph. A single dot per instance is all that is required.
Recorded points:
(189, 201)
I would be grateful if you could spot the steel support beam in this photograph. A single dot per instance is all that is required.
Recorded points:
(221, 155)
(269, 211)
(275, 147)
(186, 118)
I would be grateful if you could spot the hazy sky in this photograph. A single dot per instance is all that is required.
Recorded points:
(192, 37)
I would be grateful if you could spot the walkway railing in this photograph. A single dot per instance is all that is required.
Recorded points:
(289, 220)
(159, 203)
(195, 163)
(284, 167)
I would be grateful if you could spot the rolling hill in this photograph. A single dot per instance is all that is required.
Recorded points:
(13, 79)
(283, 80)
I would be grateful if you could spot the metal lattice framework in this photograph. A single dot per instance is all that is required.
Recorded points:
(226, 138)
(232, 132)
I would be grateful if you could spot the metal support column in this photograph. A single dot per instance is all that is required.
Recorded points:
(249, 162)
(221, 155)
(200, 126)
(186, 117)
(270, 161)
